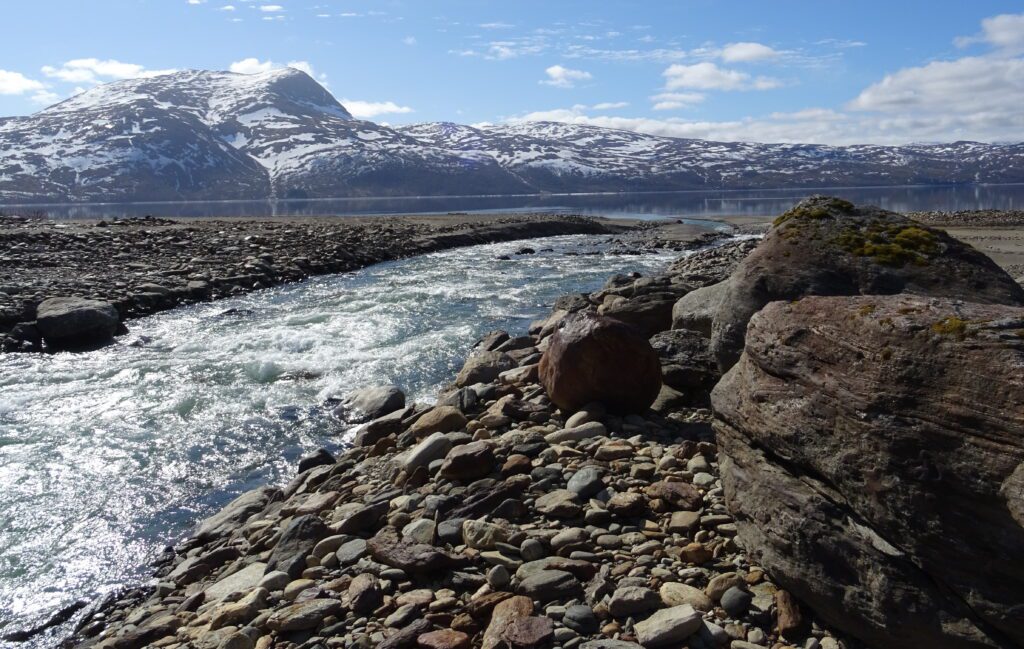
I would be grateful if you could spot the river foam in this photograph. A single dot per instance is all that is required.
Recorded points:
(106, 457)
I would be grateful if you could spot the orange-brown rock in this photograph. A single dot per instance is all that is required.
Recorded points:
(595, 358)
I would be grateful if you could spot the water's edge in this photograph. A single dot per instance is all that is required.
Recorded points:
(551, 274)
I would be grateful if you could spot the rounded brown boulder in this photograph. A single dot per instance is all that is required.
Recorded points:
(596, 358)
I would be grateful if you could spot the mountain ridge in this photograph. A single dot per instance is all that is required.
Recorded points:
(202, 135)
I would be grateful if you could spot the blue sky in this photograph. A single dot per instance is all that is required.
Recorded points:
(824, 71)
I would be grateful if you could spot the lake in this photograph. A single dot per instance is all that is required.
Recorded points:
(652, 205)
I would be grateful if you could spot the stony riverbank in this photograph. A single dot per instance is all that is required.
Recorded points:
(142, 266)
(970, 218)
(597, 483)
(492, 519)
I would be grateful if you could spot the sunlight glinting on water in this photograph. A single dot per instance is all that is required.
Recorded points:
(107, 456)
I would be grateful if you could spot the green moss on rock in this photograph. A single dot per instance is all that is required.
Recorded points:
(951, 326)
(889, 245)
(818, 209)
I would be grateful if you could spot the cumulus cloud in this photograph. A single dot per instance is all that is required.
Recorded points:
(610, 105)
(967, 85)
(271, 9)
(969, 98)
(253, 65)
(1005, 32)
(370, 109)
(676, 100)
(15, 83)
(92, 70)
(744, 52)
(45, 97)
(708, 76)
(563, 77)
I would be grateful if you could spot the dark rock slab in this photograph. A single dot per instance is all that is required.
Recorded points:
(872, 455)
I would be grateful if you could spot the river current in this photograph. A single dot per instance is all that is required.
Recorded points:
(106, 457)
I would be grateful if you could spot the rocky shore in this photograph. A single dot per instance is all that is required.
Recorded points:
(970, 218)
(142, 266)
(812, 440)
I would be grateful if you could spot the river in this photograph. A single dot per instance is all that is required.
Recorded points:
(108, 456)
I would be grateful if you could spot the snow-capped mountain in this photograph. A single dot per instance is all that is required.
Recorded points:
(564, 157)
(217, 135)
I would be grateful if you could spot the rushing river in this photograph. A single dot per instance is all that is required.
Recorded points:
(106, 457)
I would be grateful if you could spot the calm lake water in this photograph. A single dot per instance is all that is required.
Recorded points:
(693, 204)
(107, 456)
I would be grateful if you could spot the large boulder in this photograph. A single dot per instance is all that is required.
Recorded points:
(595, 358)
(76, 323)
(872, 454)
(649, 313)
(826, 246)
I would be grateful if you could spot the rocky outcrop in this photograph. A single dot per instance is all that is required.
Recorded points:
(594, 358)
(872, 452)
(76, 323)
(513, 523)
(827, 246)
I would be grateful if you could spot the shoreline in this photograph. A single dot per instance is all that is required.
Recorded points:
(507, 413)
(144, 266)
(484, 530)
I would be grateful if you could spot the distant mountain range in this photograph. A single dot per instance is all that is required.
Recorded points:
(201, 135)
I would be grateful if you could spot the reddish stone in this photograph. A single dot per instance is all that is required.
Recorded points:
(443, 639)
(595, 358)
(530, 633)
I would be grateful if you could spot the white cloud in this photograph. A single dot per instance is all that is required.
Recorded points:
(744, 52)
(1005, 32)
(708, 76)
(496, 26)
(978, 85)
(409, 40)
(305, 66)
(370, 109)
(252, 65)
(563, 77)
(271, 9)
(196, 2)
(676, 100)
(610, 105)
(227, 8)
(15, 83)
(92, 70)
(45, 97)
(972, 98)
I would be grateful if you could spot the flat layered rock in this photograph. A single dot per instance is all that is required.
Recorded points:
(897, 513)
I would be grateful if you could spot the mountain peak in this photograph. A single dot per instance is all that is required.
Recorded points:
(209, 94)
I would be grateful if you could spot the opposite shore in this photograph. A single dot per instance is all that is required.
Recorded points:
(143, 266)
